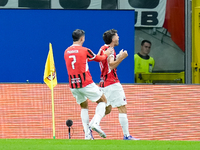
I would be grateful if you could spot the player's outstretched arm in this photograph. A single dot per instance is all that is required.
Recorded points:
(109, 51)
(114, 63)
(99, 58)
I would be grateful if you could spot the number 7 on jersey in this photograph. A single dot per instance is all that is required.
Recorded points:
(74, 61)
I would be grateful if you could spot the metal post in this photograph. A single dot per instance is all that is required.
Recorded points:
(188, 41)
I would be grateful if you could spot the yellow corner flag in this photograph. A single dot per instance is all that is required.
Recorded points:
(50, 70)
(51, 80)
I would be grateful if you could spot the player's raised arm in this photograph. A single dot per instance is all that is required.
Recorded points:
(114, 63)
(108, 52)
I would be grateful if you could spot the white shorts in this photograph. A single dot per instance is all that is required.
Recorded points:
(115, 95)
(91, 92)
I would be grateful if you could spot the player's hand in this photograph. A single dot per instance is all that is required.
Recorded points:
(124, 54)
(120, 53)
(109, 51)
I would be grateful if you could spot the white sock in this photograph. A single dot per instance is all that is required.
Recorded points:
(92, 121)
(85, 120)
(124, 123)
(99, 113)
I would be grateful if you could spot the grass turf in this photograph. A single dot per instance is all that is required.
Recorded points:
(61, 144)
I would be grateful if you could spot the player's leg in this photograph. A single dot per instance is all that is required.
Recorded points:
(85, 116)
(100, 109)
(99, 114)
(94, 94)
(108, 109)
(118, 99)
(123, 119)
(85, 120)
(108, 106)
(82, 101)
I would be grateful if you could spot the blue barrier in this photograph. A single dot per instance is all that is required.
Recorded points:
(25, 35)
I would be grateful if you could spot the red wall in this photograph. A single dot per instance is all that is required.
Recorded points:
(155, 112)
(175, 21)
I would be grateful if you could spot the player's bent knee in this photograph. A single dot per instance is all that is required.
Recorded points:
(108, 109)
(84, 105)
(102, 99)
(122, 109)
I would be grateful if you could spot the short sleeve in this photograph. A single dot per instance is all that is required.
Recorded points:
(90, 54)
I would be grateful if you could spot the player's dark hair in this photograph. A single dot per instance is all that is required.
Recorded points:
(145, 41)
(77, 34)
(108, 35)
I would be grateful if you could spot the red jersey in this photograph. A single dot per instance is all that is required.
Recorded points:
(76, 58)
(108, 76)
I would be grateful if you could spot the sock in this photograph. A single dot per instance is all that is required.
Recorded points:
(124, 123)
(92, 121)
(99, 113)
(85, 120)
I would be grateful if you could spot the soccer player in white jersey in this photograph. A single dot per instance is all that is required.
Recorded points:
(110, 83)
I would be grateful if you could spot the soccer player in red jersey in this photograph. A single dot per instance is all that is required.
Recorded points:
(110, 83)
(81, 84)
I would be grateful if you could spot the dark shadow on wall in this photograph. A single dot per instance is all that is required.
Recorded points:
(3, 2)
(35, 4)
(144, 3)
(75, 4)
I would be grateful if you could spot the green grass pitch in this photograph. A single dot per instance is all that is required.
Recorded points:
(61, 144)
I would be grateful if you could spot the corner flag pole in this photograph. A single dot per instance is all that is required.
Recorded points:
(51, 80)
(52, 100)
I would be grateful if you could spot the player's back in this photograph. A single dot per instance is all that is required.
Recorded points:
(76, 58)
